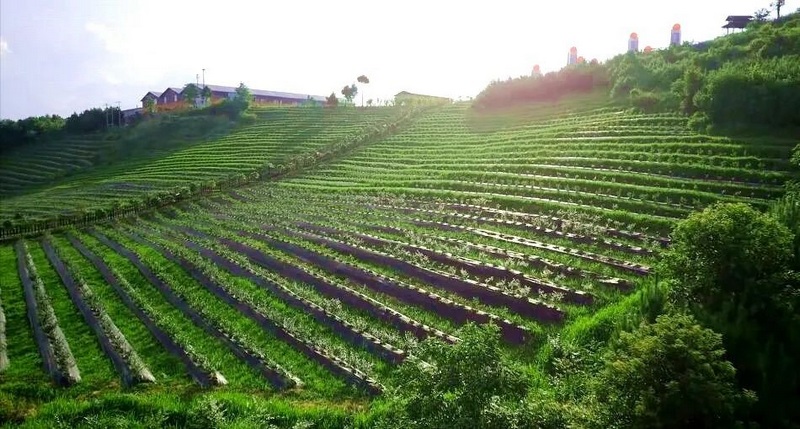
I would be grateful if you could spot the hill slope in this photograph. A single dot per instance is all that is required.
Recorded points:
(278, 137)
(316, 286)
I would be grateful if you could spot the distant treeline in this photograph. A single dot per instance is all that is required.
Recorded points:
(741, 80)
(32, 129)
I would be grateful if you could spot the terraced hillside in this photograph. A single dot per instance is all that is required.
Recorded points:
(317, 285)
(30, 166)
(278, 137)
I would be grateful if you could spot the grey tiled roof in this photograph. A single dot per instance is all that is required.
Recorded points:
(265, 93)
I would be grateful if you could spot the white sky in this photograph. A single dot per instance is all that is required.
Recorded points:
(60, 57)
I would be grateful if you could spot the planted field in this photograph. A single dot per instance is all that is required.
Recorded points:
(33, 186)
(318, 285)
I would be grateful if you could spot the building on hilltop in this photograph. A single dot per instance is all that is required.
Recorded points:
(171, 97)
(737, 21)
(405, 97)
(152, 96)
(262, 96)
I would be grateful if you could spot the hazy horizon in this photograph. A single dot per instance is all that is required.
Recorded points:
(57, 58)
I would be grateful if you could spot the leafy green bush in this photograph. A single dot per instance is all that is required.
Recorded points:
(668, 374)
(467, 385)
(731, 265)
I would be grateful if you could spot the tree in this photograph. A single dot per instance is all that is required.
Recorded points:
(719, 254)
(350, 92)
(150, 105)
(191, 92)
(243, 94)
(206, 94)
(332, 100)
(778, 4)
(787, 211)
(369, 102)
(761, 14)
(731, 266)
(465, 385)
(365, 80)
(668, 374)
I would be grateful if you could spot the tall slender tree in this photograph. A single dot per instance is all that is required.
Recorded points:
(365, 80)
(778, 4)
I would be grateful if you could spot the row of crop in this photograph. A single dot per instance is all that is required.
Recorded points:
(469, 289)
(272, 371)
(161, 279)
(696, 171)
(160, 324)
(465, 266)
(146, 315)
(672, 200)
(774, 156)
(357, 336)
(536, 229)
(509, 258)
(54, 349)
(527, 203)
(630, 267)
(679, 164)
(570, 224)
(303, 260)
(3, 341)
(428, 168)
(247, 261)
(315, 348)
(505, 256)
(349, 329)
(594, 257)
(645, 202)
(520, 143)
(343, 215)
(246, 332)
(113, 343)
(418, 296)
(584, 201)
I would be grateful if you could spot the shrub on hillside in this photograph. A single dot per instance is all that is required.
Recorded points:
(668, 374)
(466, 385)
(764, 92)
(732, 267)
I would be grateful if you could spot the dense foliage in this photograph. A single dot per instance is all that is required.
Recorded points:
(738, 81)
(28, 130)
(33, 129)
(742, 80)
(467, 385)
(669, 374)
(733, 267)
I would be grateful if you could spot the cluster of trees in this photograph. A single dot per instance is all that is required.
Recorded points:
(349, 92)
(742, 80)
(575, 78)
(234, 108)
(35, 128)
(28, 130)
